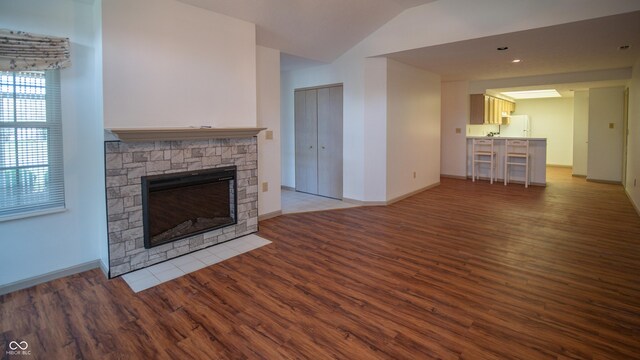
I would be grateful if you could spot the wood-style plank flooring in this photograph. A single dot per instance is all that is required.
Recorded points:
(462, 271)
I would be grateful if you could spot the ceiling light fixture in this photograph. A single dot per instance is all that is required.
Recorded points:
(532, 94)
(623, 47)
(503, 48)
(516, 60)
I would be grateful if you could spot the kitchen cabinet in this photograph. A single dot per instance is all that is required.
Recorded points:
(487, 109)
(477, 109)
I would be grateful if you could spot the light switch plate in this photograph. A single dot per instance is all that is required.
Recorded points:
(611, 125)
(458, 130)
(269, 135)
(265, 186)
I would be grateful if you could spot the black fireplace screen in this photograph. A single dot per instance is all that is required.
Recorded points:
(179, 205)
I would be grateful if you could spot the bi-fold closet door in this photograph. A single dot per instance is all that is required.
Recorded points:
(318, 134)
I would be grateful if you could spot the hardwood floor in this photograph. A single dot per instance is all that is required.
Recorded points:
(462, 271)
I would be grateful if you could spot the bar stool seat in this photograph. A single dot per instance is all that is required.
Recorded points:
(484, 152)
(516, 149)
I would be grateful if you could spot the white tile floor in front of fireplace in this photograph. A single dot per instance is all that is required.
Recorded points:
(157, 274)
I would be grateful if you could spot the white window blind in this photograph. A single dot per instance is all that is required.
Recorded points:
(31, 168)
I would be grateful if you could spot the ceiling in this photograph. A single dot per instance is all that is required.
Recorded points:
(292, 62)
(319, 30)
(566, 90)
(573, 47)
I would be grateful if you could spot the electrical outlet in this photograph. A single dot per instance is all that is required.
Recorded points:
(268, 135)
(611, 125)
(458, 130)
(414, 174)
(265, 186)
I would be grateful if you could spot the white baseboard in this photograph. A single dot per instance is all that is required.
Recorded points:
(605, 181)
(453, 176)
(104, 268)
(402, 197)
(269, 215)
(391, 201)
(635, 206)
(33, 281)
(364, 203)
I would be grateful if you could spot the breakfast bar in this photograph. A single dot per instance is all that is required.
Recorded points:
(537, 161)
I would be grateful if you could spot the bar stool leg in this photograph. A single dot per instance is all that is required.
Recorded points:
(493, 164)
(473, 167)
(506, 160)
(526, 172)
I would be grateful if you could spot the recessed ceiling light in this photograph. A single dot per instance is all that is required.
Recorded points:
(503, 48)
(623, 47)
(532, 94)
(516, 60)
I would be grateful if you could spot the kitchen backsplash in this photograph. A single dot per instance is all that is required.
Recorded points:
(481, 130)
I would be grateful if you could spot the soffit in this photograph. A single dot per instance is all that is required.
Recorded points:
(573, 47)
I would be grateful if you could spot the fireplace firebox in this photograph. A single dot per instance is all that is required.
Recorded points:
(179, 205)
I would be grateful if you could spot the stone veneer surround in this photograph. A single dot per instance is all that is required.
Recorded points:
(127, 162)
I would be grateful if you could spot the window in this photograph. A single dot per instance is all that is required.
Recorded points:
(31, 173)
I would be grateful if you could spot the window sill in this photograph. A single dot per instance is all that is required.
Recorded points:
(32, 214)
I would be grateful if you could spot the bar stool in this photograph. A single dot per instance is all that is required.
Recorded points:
(516, 149)
(481, 149)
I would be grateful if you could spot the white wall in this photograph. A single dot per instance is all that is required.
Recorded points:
(605, 144)
(268, 84)
(170, 64)
(348, 70)
(455, 115)
(39, 245)
(633, 147)
(413, 129)
(103, 246)
(552, 119)
(375, 129)
(580, 132)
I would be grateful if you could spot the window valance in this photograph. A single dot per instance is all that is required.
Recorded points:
(22, 51)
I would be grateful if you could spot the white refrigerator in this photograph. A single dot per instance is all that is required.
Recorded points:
(520, 126)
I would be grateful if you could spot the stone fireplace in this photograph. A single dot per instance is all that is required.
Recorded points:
(223, 171)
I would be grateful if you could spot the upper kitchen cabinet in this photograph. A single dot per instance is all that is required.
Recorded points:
(486, 109)
(477, 109)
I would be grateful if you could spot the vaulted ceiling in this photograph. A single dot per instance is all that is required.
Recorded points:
(313, 32)
(320, 30)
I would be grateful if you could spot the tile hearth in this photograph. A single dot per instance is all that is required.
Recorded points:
(157, 274)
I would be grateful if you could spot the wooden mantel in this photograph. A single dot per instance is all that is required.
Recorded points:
(191, 133)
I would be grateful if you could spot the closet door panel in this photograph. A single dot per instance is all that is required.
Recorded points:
(330, 142)
(306, 135)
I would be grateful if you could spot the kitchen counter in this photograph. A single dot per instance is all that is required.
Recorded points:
(498, 137)
(537, 160)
